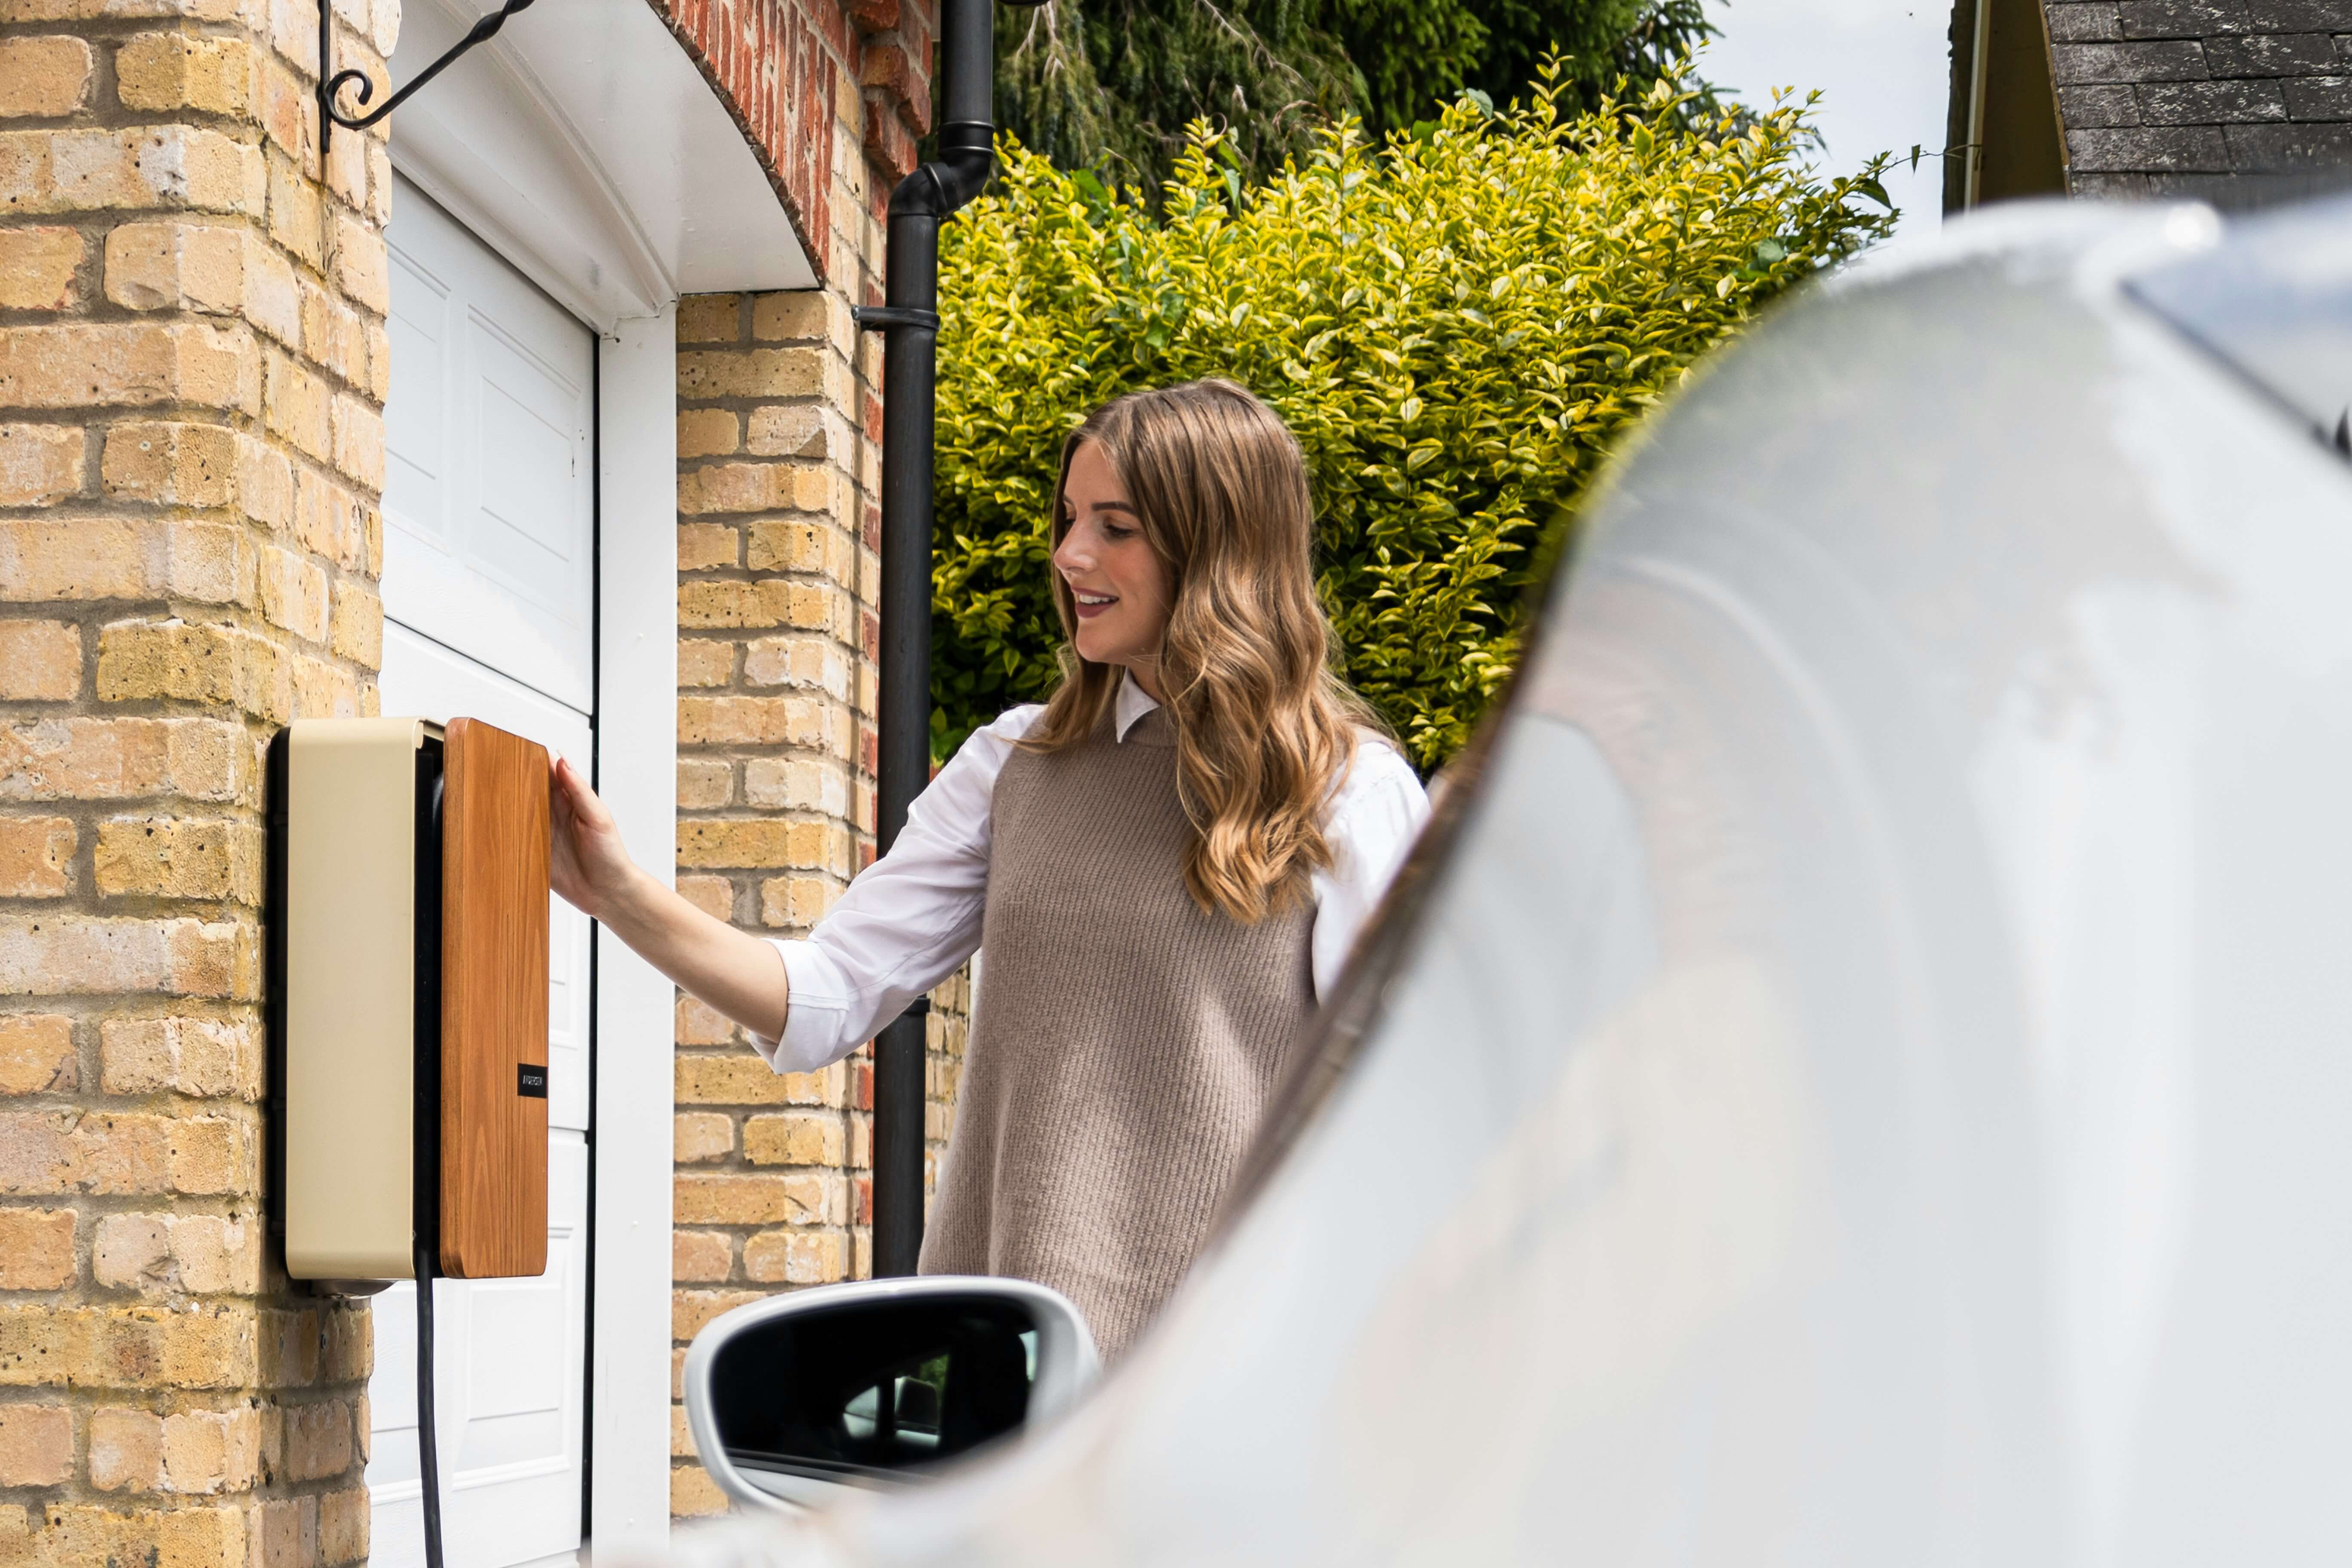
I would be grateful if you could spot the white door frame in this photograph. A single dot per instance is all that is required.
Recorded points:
(637, 774)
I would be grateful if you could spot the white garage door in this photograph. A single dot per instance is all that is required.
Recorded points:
(488, 592)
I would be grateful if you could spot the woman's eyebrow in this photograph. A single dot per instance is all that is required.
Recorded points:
(1114, 505)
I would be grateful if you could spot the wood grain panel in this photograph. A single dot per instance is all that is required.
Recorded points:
(493, 1004)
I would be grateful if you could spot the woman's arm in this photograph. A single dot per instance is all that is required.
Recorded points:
(739, 974)
(908, 920)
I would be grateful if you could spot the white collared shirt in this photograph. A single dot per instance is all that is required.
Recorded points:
(914, 916)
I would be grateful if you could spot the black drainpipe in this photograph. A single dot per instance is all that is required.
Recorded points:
(909, 322)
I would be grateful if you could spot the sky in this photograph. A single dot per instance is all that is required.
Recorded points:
(1883, 69)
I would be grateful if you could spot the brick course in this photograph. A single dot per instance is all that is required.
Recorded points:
(192, 370)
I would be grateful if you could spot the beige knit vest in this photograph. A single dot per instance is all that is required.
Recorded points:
(1125, 1043)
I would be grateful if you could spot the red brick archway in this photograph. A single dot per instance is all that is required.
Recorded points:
(783, 69)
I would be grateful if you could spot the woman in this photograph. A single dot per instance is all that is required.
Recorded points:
(1167, 863)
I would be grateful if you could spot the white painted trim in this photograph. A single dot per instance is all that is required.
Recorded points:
(637, 776)
(605, 210)
(1972, 155)
(585, 146)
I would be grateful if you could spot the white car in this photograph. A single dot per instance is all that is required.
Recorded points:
(1860, 1071)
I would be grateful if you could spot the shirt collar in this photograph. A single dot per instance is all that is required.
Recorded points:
(1132, 704)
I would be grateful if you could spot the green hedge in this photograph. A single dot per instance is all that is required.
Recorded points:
(1457, 326)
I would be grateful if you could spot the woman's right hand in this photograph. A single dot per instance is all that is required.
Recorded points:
(586, 862)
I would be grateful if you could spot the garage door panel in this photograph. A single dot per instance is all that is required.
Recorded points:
(489, 500)
(517, 1372)
(509, 1381)
(415, 440)
(488, 592)
(469, 610)
(528, 413)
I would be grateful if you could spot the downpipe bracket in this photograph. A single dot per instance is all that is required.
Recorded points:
(874, 318)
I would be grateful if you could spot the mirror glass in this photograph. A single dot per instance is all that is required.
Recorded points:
(872, 1388)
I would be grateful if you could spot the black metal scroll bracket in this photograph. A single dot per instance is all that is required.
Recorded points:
(331, 82)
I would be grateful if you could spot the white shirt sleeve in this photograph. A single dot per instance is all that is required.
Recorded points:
(914, 916)
(1374, 816)
(908, 921)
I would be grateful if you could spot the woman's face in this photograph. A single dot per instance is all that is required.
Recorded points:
(1118, 583)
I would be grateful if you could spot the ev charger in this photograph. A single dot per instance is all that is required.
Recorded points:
(407, 969)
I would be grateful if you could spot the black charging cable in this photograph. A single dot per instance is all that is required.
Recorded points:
(426, 1197)
(428, 1439)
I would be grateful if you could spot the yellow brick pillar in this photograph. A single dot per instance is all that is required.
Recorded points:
(193, 368)
(778, 498)
(774, 791)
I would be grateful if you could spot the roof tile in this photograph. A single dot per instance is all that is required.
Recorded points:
(2188, 148)
(2210, 102)
(2076, 64)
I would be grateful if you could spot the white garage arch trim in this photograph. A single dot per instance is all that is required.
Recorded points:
(582, 145)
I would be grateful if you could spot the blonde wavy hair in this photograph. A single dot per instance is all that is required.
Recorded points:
(1264, 729)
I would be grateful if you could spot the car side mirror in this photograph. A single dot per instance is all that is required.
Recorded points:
(872, 1383)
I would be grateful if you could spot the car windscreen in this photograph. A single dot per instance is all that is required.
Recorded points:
(2274, 302)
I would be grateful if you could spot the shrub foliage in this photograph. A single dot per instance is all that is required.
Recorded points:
(1457, 325)
(1110, 85)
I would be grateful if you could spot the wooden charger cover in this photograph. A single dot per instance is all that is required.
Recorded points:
(494, 821)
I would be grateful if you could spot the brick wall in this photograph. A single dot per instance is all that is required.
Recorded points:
(2229, 101)
(192, 364)
(777, 504)
(778, 577)
(775, 797)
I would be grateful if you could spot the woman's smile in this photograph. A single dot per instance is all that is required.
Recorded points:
(1118, 586)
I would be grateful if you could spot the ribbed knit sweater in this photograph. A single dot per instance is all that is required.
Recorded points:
(1126, 1042)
